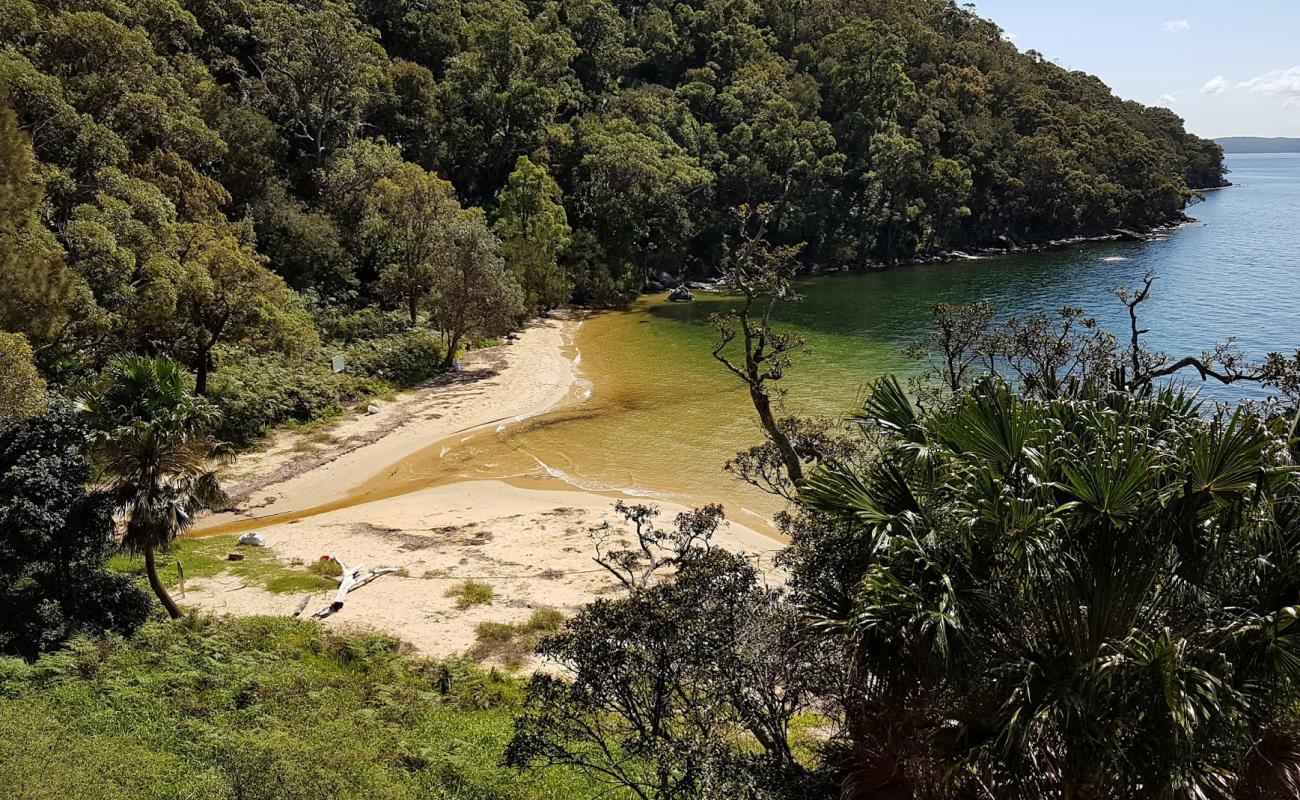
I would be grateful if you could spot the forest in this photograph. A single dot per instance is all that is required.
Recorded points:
(1043, 569)
(252, 187)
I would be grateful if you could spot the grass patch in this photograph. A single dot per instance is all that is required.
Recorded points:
(513, 644)
(261, 708)
(206, 558)
(325, 568)
(470, 593)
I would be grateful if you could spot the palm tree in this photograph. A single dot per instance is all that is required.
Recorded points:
(1087, 598)
(150, 441)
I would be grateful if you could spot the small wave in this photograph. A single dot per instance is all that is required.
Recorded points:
(1114, 259)
(561, 475)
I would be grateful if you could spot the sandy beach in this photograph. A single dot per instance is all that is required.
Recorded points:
(331, 492)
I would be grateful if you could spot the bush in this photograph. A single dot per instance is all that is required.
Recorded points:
(55, 538)
(401, 359)
(470, 593)
(260, 707)
(513, 644)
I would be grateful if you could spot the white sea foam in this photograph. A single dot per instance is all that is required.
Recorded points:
(559, 474)
(1114, 259)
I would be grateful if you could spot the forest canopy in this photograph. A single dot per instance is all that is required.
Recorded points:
(217, 181)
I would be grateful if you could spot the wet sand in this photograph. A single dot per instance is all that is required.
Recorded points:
(363, 490)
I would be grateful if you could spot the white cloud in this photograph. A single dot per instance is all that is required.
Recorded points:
(1168, 99)
(1177, 25)
(1284, 84)
(1216, 85)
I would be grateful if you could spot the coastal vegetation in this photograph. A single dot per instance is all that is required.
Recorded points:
(252, 188)
(1041, 569)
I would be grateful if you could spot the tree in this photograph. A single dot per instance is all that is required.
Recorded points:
(406, 223)
(222, 292)
(473, 292)
(317, 72)
(684, 688)
(149, 437)
(953, 346)
(36, 282)
(22, 391)
(501, 91)
(534, 231)
(637, 190)
(54, 539)
(1059, 599)
(762, 275)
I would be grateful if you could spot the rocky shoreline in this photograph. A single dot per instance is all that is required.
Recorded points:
(680, 289)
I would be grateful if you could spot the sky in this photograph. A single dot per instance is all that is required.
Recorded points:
(1227, 68)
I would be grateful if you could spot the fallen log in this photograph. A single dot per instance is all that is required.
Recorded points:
(351, 578)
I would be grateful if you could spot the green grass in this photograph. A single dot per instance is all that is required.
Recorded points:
(511, 645)
(206, 558)
(470, 593)
(260, 708)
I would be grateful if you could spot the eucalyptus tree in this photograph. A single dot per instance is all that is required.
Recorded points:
(150, 442)
(534, 231)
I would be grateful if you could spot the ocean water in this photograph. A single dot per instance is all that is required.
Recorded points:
(662, 417)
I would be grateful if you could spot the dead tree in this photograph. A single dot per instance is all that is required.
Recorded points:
(1224, 363)
(351, 578)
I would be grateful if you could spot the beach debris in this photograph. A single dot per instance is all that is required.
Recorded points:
(252, 539)
(352, 578)
(234, 556)
(302, 605)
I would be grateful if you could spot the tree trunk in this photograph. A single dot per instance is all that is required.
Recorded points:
(201, 374)
(412, 305)
(763, 405)
(151, 569)
(452, 347)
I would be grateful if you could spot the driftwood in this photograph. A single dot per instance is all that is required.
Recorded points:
(352, 578)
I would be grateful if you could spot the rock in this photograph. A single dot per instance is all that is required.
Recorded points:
(234, 556)
(251, 539)
(681, 295)
(372, 409)
(667, 281)
(1125, 235)
(653, 287)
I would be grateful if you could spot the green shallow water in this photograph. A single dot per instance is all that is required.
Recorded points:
(662, 416)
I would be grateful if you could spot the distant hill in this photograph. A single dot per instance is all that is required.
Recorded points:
(1259, 144)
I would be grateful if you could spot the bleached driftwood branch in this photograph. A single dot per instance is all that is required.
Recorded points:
(349, 580)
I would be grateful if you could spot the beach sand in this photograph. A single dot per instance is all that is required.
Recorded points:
(332, 493)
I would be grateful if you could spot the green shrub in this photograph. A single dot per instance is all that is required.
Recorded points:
(510, 644)
(325, 567)
(260, 707)
(470, 593)
(257, 393)
(401, 359)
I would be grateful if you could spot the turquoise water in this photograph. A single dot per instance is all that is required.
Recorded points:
(1233, 272)
(663, 417)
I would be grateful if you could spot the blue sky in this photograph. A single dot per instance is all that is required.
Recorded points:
(1228, 68)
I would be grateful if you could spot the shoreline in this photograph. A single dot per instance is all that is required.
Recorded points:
(526, 536)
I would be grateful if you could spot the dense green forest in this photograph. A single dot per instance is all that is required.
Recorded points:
(249, 186)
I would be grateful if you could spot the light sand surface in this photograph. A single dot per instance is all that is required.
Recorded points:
(313, 494)
(496, 385)
(531, 546)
